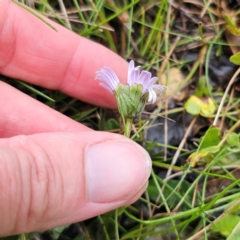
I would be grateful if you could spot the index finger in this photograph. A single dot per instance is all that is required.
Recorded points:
(32, 51)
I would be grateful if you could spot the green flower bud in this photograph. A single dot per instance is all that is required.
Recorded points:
(130, 100)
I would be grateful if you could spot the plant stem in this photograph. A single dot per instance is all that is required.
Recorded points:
(225, 95)
(128, 127)
(116, 224)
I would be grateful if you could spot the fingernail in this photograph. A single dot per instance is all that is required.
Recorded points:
(115, 170)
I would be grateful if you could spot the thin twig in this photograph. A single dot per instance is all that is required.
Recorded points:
(63, 9)
(224, 96)
(168, 55)
(174, 160)
(159, 115)
(226, 108)
(165, 133)
(232, 129)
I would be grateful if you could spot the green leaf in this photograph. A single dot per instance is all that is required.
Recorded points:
(208, 108)
(211, 138)
(207, 148)
(203, 106)
(202, 156)
(226, 224)
(111, 124)
(83, 114)
(235, 234)
(202, 88)
(235, 58)
(36, 91)
(235, 207)
(193, 106)
(231, 25)
(233, 140)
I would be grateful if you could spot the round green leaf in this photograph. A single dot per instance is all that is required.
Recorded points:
(235, 58)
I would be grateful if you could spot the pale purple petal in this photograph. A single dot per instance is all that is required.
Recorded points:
(131, 66)
(112, 73)
(131, 69)
(112, 76)
(159, 87)
(144, 78)
(133, 78)
(108, 78)
(106, 87)
(152, 96)
(103, 76)
(150, 82)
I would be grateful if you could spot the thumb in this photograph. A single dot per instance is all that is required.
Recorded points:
(52, 179)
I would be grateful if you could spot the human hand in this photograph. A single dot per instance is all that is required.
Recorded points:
(53, 170)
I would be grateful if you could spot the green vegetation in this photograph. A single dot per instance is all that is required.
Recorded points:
(193, 191)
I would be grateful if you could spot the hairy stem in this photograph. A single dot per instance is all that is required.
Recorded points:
(128, 127)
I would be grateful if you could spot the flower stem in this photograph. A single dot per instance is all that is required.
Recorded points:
(128, 127)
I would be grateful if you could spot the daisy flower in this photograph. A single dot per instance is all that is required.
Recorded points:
(109, 80)
(132, 96)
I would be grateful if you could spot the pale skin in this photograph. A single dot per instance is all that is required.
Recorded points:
(53, 170)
